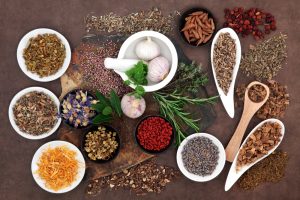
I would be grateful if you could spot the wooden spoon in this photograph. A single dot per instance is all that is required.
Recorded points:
(250, 109)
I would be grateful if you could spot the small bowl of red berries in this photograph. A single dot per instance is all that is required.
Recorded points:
(154, 134)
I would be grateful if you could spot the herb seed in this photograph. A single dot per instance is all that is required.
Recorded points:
(200, 156)
(224, 56)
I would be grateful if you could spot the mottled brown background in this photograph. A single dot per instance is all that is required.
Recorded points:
(19, 17)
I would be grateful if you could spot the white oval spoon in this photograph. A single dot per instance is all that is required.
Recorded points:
(233, 174)
(121, 65)
(227, 100)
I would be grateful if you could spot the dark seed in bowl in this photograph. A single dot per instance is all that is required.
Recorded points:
(200, 156)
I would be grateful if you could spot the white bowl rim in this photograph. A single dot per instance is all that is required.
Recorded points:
(11, 115)
(233, 175)
(169, 44)
(24, 42)
(53, 144)
(227, 100)
(219, 167)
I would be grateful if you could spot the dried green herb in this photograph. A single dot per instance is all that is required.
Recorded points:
(35, 113)
(264, 60)
(270, 169)
(152, 19)
(224, 56)
(44, 55)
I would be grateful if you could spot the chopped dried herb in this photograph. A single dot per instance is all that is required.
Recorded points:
(264, 60)
(35, 113)
(147, 177)
(270, 169)
(257, 93)
(44, 55)
(224, 56)
(276, 104)
(152, 19)
(259, 143)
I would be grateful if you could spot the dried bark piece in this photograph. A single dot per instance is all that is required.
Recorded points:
(200, 27)
(276, 104)
(142, 179)
(257, 146)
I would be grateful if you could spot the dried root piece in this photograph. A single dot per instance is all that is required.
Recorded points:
(198, 28)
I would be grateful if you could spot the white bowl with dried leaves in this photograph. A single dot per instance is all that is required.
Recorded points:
(225, 67)
(12, 117)
(167, 51)
(24, 43)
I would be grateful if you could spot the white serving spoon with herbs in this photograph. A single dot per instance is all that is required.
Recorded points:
(227, 99)
(234, 174)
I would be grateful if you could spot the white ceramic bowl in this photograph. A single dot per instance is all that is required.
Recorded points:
(12, 117)
(227, 100)
(234, 175)
(219, 167)
(24, 43)
(167, 48)
(53, 144)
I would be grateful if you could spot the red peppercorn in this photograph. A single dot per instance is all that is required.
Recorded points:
(249, 21)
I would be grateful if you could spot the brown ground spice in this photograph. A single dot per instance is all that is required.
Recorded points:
(270, 169)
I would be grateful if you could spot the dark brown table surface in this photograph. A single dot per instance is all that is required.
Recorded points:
(19, 17)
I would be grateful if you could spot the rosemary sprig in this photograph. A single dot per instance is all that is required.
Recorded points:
(171, 107)
(172, 99)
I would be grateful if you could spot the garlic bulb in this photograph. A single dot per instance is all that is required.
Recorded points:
(133, 107)
(158, 69)
(147, 49)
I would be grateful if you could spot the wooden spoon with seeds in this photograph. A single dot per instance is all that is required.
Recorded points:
(250, 108)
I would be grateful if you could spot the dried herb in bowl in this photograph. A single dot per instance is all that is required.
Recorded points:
(224, 56)
(35, 113)
(76, 108)
(44, 55)
(200, 156)
(101, 143)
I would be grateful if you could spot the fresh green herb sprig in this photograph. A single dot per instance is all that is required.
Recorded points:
(189, 78)
(137, 76)
(172, 107)
(138, 73)
(106, 107)
(172, 99)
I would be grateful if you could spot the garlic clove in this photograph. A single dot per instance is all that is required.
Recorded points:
(147, 49)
